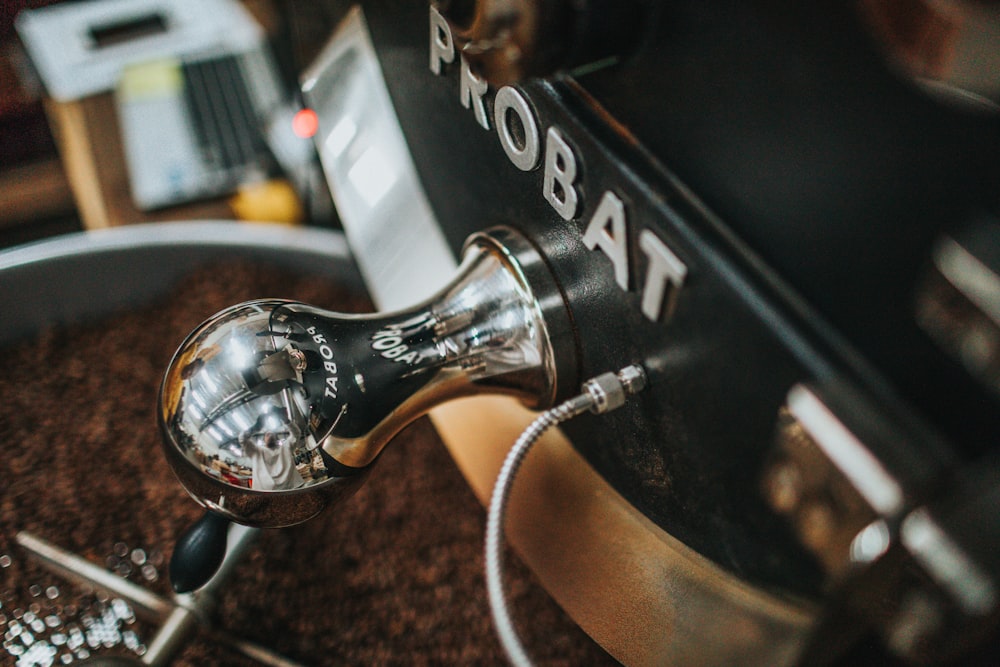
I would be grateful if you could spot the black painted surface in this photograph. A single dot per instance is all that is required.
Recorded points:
(801, 182)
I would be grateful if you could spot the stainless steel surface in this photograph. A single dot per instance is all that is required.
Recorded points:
(272, 410)
(93, 273)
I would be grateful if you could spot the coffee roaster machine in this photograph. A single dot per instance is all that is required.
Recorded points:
(787, 215)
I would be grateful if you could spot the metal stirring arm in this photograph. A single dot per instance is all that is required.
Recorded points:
(179, 616)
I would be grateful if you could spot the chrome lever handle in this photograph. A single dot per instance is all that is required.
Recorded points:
(272, 410)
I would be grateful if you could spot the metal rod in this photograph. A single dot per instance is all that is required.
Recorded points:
(81, 571)
(170, 637)
(177, 617)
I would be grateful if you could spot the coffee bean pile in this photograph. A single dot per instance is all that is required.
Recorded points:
(393, 576)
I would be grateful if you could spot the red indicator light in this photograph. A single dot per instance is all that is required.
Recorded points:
(305, 123)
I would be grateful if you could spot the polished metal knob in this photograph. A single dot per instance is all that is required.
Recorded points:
(272, 410)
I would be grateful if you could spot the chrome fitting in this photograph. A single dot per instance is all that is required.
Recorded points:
(608, 391)
(272, 410)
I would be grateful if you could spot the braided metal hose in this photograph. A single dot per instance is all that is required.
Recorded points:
(601, 394)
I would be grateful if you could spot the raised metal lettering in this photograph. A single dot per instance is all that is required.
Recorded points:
(558, 185)
(665, 270)
(507, 103)
(442, 44)
(472, 90)
(608, 230)
(518, 132)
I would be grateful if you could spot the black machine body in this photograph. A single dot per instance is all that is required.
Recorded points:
(797, 236)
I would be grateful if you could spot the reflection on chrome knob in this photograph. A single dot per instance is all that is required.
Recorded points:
(272, 410)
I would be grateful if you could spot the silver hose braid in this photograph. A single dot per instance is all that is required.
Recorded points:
(599, 395)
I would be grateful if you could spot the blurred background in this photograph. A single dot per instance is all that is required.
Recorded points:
(54, 165)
